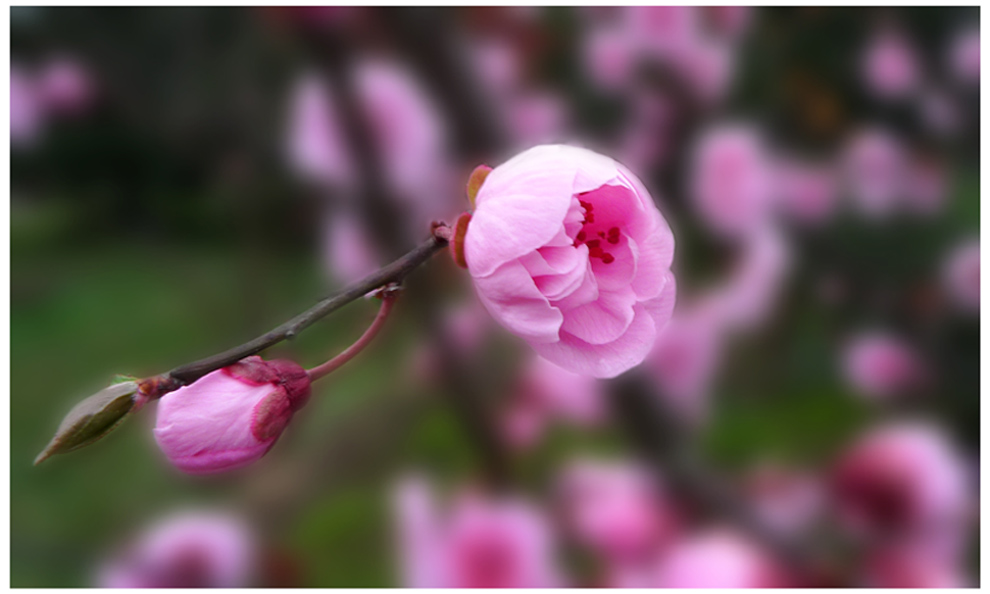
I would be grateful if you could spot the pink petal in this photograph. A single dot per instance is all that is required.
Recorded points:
(513, 299)
(604, 360)
(603, 320)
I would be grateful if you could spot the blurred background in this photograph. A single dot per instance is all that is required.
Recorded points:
(185, 179)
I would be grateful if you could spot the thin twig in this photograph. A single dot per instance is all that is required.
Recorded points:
(392, 273)
(388, 300)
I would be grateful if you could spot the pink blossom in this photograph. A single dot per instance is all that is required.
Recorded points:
(409, 132)
(545, 392)
(482, 542)
(496, 64)
(879, 365)
(65, 86)
(964, 56)
(904, 479)
(231, 417)
(808, 192)
(961, 274)
(874, 165)
(568, 251)
(730, 180)
(535, 117)
(707, 66)
(750, 293)
(662, 29)
(685, 361)
(616, 509)
(315, 144)
(718, 558)
(610, 56)
(350, 252)
(27, 113)
(190, 549)
(890, 66)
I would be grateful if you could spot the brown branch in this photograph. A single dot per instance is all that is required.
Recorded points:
(393, 273)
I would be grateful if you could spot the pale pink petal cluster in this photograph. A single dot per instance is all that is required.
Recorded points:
(568, 251)
(547, 392)
(731, 180)
(478, 542)
(787, 500)
(189, 549)
(890, 66)
(905, 479)
(231, 417)
(879, 365)
(315, 135)
(616, 509)
(66, 86)
(718, 558)
(27, 115)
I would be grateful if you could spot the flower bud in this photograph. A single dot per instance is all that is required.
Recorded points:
(231, 417)
(92, 418)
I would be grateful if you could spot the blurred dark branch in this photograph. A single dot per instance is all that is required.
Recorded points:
(427, 38)
(662, 441)
(392, 273)
(379, 208)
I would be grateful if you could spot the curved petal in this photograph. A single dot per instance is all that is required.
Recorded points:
(602, 320)
(661, 307)
(656, 253)
(513, 299)
(604, 360)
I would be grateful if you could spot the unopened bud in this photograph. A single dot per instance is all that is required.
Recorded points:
(92, 418)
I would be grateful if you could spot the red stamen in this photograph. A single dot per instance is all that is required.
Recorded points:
(594, 243)
(581, 236)
(608, 259)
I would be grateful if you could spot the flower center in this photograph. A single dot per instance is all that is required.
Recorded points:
(594, 235)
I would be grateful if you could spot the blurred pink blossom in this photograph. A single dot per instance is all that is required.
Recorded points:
(808, 192)
(315, 143)
(550, 250)
(749, 295)
(190, 549)
(707, 66)
(410, 135)
(350, 252)
(686, 359)
(904, 479)
(718, 558)
(27, 113)
(879, 365)
(610, 56)
(616, 509)
(496, 63)
(875, 168)
(730, 180)
(890, 65)
(481, 542)
(661, 29)
(535, 117)
(964, 56)
(65, 86)
(961, 274)
(547, 392)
